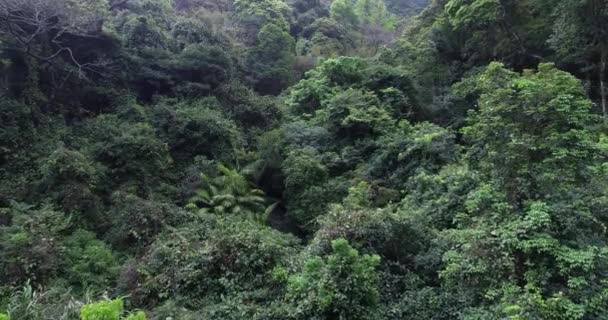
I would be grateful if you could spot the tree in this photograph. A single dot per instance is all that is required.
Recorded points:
(344, 11)
(305, 186)
(70, 179)
(220, 258)
(255, 14)
(407, 8)
(196, 128)
(342, 286)
(487, 30)
(272, 59)
(530, 228)
(132, 152)
(30, 244)
(373, 13)
(354, 114)
(542, 139)
(326, 38)
(369, 18)
(88, 263)
(411, 150)
(44, 29)
(581, 36)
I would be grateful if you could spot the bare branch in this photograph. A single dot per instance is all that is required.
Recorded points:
(37, 25)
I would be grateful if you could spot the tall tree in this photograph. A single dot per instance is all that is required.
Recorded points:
(272, 59)
(533, 227)
(581, 37)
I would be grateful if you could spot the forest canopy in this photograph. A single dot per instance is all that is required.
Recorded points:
(303, 159)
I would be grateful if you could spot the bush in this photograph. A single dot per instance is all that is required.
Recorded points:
(135, 157)
(135, 221)
(70, 179)
(393, 235)
(88, 261)
(104, 310)
(214, 256)
(108, 310)
(344, 286)
(25, 304)
(30, 243)
(193, 129)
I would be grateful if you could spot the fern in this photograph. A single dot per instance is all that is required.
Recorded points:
(230, 193)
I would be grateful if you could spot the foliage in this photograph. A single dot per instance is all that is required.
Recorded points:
(529, 235)
(108, 310)
(543, 134)
(230, 193)
(102, 310)
(29, 243)
(135, 222)
(70, 178)
(272, 59)
(303, 159)
(196, 128)
(25, 304)
(88, 261)
(214, 256)
(264, 12)
(344, 285)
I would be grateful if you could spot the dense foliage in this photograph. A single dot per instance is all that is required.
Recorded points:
(303, 159)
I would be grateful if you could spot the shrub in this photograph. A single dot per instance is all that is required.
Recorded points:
(104, 310)
(89, 262)
(108, 310)
(214, 256)
(343, 286)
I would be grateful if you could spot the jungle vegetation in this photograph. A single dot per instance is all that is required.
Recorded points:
(303, 159)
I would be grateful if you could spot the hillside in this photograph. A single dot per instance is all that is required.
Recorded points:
(303, 159)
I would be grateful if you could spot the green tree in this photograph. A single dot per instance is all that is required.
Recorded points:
(374, 13)
(344, 11)
(542, 140)
(411, 150)
(238, 252)
(532, 225)
(342, 286)
(196, 128)
(512, 31)
(30, 243)
(88, 262)
(305, 186)
(132, 152)
(272, 60)
(70, 179)
(581, 36)
(35, 28)
(258, 13)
